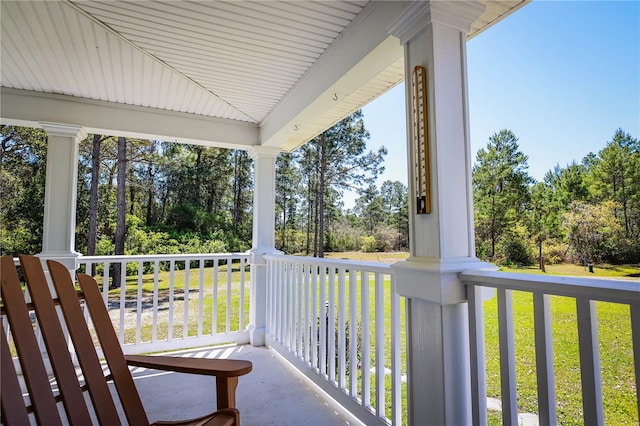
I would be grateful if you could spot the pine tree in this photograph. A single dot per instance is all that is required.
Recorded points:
(500, 189)
(337, 160)
(287, 188)
(614, 176)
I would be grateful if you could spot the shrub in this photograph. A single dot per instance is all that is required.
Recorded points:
(347, 336)
(593, 231)
(368, 244)
(555, 252)
(386, 238)
(18, 241)
(482, 250)
(293, 241)
(515, 248)
(104, 247)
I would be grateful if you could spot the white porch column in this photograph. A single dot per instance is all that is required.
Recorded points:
(442, 243)
(264, 202)
(58, 239)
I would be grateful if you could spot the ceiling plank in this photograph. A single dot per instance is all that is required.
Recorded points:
(344, 68)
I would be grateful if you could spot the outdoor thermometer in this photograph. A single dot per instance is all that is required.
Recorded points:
(420, 141)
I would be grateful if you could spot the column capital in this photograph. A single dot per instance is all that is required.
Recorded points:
(419, 15)
(64, 130)
(263, 152)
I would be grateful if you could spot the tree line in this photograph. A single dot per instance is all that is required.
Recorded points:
(585, 212)
(143, 197)
(310, 213)
(139, 196)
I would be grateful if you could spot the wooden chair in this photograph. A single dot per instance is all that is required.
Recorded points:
(42, 401)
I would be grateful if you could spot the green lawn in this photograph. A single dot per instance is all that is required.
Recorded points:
(616, 359)
(164, 278)
(148, 280)
(631, 272)
(616, 350)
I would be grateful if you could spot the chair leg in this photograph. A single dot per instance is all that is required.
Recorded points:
(226, 392)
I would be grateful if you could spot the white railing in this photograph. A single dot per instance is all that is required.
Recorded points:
(332, 318)
(586, 292)
(169, 302)
(339, 322)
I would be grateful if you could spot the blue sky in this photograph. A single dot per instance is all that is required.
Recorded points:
(563, 76)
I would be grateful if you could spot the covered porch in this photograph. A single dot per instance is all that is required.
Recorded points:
(312, 346)
(266, 78)
(274, 394)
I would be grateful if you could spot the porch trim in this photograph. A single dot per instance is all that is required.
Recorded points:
(30, 108)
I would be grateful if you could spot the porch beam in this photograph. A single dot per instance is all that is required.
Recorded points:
(29, 109)
(352, 61)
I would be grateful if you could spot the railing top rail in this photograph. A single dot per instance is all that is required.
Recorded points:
(151, 257)
(339, 263)
(606, 290)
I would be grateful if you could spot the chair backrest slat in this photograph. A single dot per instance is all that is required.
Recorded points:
(14, 411)
(112, 350)
(33, 368)
(55, 341)
(60, 319)
(101, 398)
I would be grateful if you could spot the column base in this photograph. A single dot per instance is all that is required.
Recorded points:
(437, 338)
(257, 336)
(67, 258)
(258, 310)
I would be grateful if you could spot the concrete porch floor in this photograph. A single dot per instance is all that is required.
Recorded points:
(274, 393)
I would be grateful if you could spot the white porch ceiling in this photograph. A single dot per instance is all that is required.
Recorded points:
(277, 72)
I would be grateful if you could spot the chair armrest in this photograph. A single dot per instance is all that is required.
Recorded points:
(226, 372)
(204, 366)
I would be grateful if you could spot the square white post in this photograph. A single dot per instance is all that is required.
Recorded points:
(60, 194)
(264, 201)
(442, 242)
